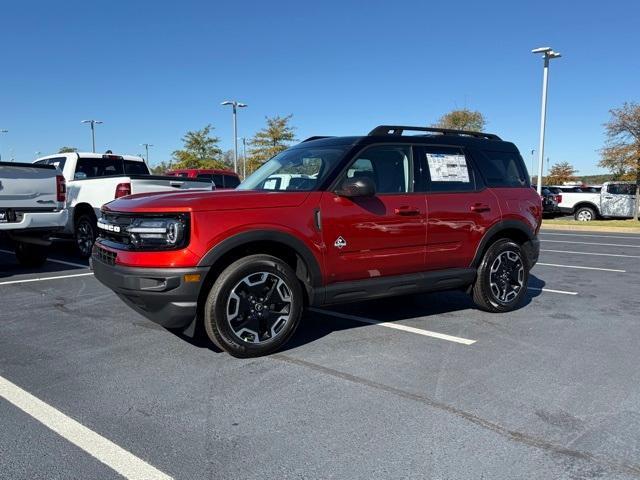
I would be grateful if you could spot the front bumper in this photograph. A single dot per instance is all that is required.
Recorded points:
(160, 294)
(532, 251)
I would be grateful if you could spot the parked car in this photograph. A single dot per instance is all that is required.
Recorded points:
(377, 215)
(32, 208)
(550, 201)
(611, 200)
(223, 179)
(94, 179)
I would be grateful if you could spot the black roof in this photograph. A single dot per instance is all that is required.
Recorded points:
(433, 136)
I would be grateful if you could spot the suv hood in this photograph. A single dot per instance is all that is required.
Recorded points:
(194, 201)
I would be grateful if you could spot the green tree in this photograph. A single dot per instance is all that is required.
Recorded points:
(621, 153)
(200, 150)
(463, 119)
(161, 168)
(560, 173)
(275, 137)
(67, 149)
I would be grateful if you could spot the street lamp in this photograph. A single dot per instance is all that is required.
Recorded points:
(93, 131)
(235, 105)
(549, 54)
(3, 131)
(146, 147)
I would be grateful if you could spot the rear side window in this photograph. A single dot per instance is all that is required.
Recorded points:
(446, 169)
(231, 181)
(98, 167)
(503, 169)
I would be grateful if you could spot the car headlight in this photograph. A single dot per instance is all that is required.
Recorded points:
(159, 233)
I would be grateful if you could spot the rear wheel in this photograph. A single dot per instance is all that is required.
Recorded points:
(31, 255)
(585, 214)
(502, 277)
(85, 234)
(254, 307)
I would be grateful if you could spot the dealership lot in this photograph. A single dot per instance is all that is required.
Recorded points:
(435, 390)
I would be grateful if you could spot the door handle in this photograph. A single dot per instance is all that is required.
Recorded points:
(608, 197)
(480, 207)
(406, 211)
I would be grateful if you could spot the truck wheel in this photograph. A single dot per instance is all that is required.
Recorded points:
(585, 214)
(254, 307)
(85, 233)
(502, 277)
(31, 255)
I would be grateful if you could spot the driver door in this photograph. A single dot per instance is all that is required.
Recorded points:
(380, 235)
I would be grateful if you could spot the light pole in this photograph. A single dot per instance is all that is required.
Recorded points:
(549, 54)
(93, 131)
(532, 165)
(235, 105)
(3, 131)
(146, 147)
(244, 158)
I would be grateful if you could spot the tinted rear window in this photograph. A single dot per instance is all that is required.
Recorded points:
(131, 167)
(98, 167)
(503, 169)
(230, 181)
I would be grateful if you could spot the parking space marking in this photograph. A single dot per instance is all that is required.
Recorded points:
(107, 452)
(581, 267)
(42, 279)
(404, 328)
(628, 237)
(592, 243)
(550, 290)
(592, 253)
(62, 262)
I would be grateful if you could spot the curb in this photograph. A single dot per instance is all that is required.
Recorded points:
(587, 228)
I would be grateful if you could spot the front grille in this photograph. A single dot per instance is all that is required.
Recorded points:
(121, 238)
(103, 255)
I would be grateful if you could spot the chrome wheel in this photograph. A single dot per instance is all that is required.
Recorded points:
(259, 307)
(506, 277)
(85, 236)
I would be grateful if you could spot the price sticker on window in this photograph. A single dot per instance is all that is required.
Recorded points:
(445, 167)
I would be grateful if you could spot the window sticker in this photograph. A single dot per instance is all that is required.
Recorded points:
(448, 167)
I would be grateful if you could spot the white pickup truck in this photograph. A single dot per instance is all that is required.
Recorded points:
(612, 200)
(32, 207)
(94, 179)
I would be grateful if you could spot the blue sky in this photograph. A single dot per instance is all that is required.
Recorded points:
(151, 70)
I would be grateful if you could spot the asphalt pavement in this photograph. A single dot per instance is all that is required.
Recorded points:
(418, 387)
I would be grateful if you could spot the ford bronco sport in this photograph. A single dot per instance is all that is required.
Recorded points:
(360, 217)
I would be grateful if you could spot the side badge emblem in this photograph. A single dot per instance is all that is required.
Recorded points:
(340, 243)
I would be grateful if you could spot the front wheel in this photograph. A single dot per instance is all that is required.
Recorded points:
(502, 277)
(85, 233)
(254, 306)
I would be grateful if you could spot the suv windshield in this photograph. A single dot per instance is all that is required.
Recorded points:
(296, 169)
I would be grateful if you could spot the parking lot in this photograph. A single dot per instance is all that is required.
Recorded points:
(424, 386)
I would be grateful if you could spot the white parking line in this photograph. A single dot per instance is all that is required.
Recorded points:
(42, 279)
(592, 243)
(115, 457)
(549, 290)
(71, 264)
(592, 253)
(418, 331)
(581, 267)
(628, 237)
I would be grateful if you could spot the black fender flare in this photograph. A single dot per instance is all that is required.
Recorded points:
(496, 229)
(224, 247)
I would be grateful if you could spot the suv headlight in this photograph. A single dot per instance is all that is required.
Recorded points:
(159, 233)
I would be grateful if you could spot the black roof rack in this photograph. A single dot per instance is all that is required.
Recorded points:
(316, 137)
(399, 129)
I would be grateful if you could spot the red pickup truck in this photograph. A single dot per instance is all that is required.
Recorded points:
(330, 220)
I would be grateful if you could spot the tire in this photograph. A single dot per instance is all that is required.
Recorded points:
(31, 255)
(504, 268)
(85, 234)
(254, 306)
(585, 214)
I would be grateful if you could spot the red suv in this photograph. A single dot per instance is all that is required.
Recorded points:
(333, 219)
(222, 179)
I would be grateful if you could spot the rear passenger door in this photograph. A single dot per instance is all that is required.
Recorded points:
(459, 207)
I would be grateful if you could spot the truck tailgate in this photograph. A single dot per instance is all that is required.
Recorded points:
(24, 186)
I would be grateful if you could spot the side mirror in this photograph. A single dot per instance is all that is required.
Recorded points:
(357, 187)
